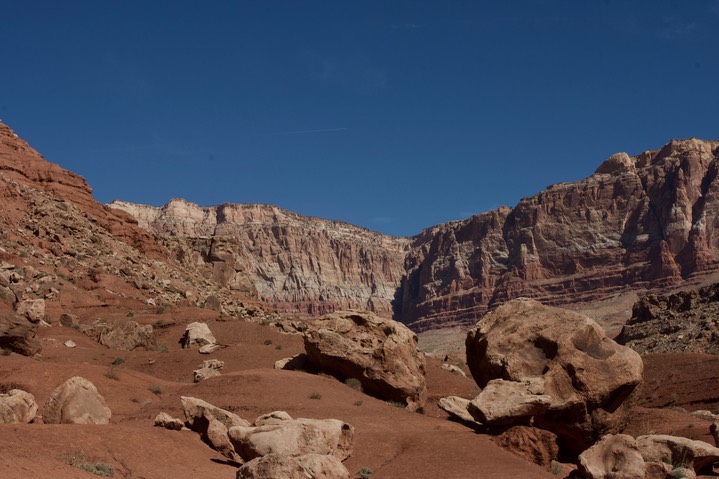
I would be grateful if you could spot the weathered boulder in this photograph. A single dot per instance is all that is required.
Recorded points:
(613, 457)
(32, 309)
(679, 452)
(652, 456)
(507, 402)
(536, 445)
(76, 401)
(127, 336)
(212, 423)
(294, 363)
(588, 377)
(17, 406)
(382, 354)
(69, 320)
(208, 369)
(293, 437)
(457, 407)
(168, 422)
(274, 417)
(309, 466)
(17, 334)
(198, 335)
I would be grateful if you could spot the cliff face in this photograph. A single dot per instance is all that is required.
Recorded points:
(294, 264)
(647, 222)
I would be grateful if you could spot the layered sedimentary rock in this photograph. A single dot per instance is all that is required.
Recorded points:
(295, 264)
(649, 222)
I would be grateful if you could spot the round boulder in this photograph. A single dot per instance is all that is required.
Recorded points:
(588, 378)
(381, 353)
(76, 401)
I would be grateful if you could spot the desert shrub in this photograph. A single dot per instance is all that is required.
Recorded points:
(162, 348)
(364, 473)
(118, 360)
(358, 403)
(397, 404)
(80, 461)
(6, 351)
(155, 389)
(354, 383)
(112, 374)
(8, 386)
(316, 395)
(278, 347)
(267, 342)
(130, 314)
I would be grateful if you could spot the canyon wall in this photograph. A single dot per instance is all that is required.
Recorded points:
(296, 265)
(646, 223)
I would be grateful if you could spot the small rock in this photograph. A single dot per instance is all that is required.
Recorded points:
(70, 343)
(168, 422)
(294, 363)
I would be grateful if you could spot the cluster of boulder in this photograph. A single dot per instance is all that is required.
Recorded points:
(550, 378)
(76, 401)
(274, 445)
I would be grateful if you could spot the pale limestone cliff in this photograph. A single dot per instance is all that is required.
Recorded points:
(295, 264)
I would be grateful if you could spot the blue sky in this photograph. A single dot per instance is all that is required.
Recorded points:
(392, 115)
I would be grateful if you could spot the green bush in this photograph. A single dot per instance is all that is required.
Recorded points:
(80, 461)
(118, 360)
(354, 383)
(315, 395)
(364, 473)
(155, 389)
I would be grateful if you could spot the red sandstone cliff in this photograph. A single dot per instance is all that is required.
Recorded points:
(646, 222)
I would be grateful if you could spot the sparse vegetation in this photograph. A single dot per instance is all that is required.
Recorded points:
(163, 348)
(364, 473)
(80, 461)
(267, 342)
(160, 310)
(316, 395)
(397, 404)
(358, 403)
(155, 389)
(6, 351)
(556, 468)
(354, 383)
(118, 360)
(112, 374)
(278, 347)
(130, 314)
(10, 385)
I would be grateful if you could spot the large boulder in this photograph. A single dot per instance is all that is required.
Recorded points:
(310, 466)
(209, 368)
(198, 335)
(382, 354)
(17, 406)
(279, 433)
(613, 457)
(127, 336)
(589, 378)
(17, 334)
(506, 402)
(76, 401)
(651, 456)
(213, 424)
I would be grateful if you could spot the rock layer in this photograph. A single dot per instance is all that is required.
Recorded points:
(647, 221)
(295, 264)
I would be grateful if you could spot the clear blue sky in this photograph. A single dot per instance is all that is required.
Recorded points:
(392, 115)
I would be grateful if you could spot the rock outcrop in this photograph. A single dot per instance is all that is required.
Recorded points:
(294, 264)
(576, 381)
(687, 321)
(380, 353)
(122, 335)
(76, 401)
(212, 424)
(198, 335)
